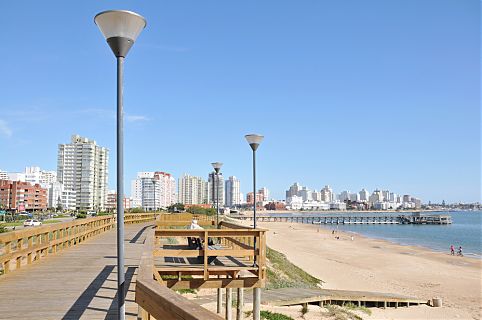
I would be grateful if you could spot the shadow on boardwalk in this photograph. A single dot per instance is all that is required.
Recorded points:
(91, 292)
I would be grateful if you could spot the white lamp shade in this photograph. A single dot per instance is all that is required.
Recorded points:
(217, 165)
(254, 138)
(120, 23)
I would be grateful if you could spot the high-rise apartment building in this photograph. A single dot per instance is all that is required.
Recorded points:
(192, 190)
(265, 193)
(82, 166)
(294, 190)
(327, 194)
(233, 192)
(153, 190)
(216, 188)
(364, 195)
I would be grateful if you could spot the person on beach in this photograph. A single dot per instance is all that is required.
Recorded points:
(459, 252)
(452, 250)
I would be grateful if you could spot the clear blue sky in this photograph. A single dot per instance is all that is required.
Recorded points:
(352, 94)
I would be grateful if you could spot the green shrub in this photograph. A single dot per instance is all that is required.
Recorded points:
(81, 216)
(274, 316)
(3, 229)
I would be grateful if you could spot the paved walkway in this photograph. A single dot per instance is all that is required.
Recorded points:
(77, 283)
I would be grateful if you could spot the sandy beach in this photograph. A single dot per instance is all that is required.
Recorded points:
(377, 265)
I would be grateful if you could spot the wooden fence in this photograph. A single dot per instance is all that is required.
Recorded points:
(25, 246)
(184, 219)
(159, 302)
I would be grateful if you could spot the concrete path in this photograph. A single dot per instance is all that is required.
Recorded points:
(77, 283)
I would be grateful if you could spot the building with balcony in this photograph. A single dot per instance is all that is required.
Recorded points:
(82, 166)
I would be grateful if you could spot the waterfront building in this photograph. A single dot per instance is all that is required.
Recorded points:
(344, 196)
(250, 198)
(22, 196)
(216, 188)
(338, 206)
(327, 194)
(364, 195)
(153, 190)
(82, 166)
(111, 204)
(354, 197)
(3, 175)
(293, 190)
(264, 192)
(407, 198)
(233, 192)
(305, 194)
(316, 196)
(315, 205)
(294, 202)
(386, 195)
(375, 197)
(192, 190)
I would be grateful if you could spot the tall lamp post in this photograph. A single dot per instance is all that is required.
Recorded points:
(121, 29)
(217, 167)
(254, 140)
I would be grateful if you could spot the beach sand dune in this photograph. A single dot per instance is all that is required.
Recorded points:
(376, 265)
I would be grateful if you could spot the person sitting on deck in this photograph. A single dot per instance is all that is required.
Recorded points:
(196, 242)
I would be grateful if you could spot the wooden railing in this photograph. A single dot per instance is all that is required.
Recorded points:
(22, 247)
(246, 270)
(159, 302)
(183, 219)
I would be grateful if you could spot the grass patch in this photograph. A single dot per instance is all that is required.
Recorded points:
(274, 316)
(341, 313)
(13, 224)
(284, 274)
(352, 306)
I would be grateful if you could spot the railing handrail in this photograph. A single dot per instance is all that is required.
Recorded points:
(33, 243)
(159, 301)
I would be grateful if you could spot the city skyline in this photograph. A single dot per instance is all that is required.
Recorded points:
(377, 102)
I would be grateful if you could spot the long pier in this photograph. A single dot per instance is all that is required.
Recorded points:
(435, 219)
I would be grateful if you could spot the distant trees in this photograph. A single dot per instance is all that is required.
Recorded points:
(201, 210)
(177, 207)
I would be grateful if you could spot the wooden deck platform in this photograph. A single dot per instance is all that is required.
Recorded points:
(297, 296)
(78, 283)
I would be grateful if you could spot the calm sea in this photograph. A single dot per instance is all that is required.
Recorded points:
(465, 231)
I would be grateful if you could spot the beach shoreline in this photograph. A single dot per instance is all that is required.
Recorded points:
(371, 264)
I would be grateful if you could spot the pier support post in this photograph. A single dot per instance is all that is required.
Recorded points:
(256, 303)
(240, 304)
(229, 302)
(219, 307)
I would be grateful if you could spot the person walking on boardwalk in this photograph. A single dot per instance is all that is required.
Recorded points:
(452, 250)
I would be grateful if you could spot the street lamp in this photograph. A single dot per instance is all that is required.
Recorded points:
(121, 29)
(254, 140)
(217, 167)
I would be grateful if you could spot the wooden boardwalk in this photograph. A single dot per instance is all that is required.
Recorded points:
(78, 283)
(299, 296)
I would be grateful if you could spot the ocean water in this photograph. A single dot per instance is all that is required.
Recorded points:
(465, 231)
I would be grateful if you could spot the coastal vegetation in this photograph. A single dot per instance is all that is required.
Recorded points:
(346, 312)
(281, 273)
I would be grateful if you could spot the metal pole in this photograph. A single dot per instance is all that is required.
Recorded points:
(254, 202)
(217, 200)
(120, 192)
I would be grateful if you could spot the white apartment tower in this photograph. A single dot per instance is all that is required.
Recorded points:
(192, 190)
(153, 190)
(82, 166)
(216, 188)
(233, 192)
